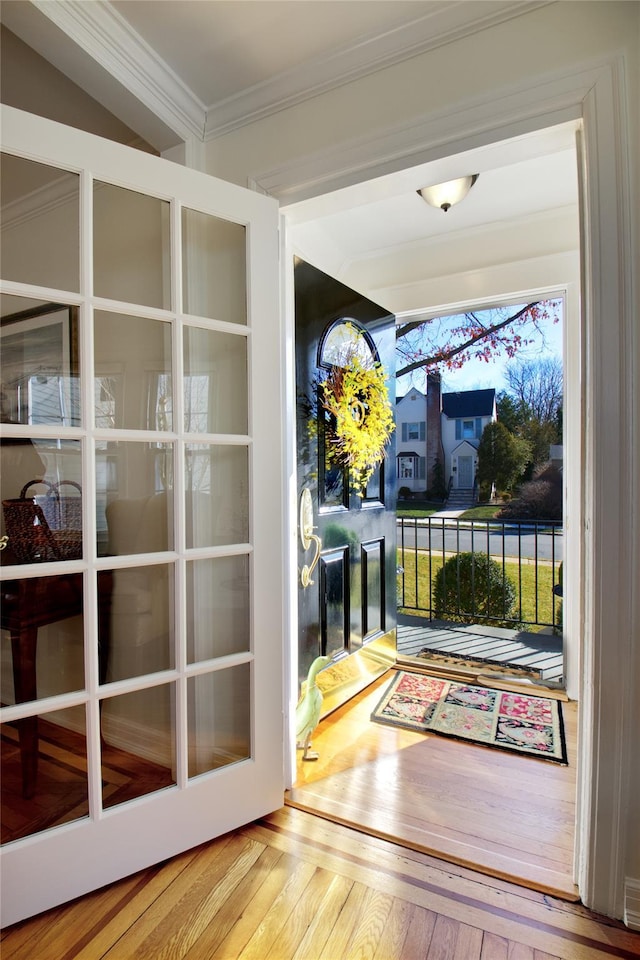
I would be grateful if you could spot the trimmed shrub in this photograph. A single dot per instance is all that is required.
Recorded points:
(404, 493)
(484, 493)
(472, 585)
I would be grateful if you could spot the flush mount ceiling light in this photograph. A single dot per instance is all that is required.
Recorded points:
(444, 195)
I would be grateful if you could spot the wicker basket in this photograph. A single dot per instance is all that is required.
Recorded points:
(44, 527)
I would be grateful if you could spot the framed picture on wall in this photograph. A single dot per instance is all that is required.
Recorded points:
(40, 366)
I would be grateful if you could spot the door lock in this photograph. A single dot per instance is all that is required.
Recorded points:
(308, 537)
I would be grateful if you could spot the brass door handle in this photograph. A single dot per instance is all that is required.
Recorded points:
(308, 537)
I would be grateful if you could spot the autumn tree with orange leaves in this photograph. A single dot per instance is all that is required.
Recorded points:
(446, 343)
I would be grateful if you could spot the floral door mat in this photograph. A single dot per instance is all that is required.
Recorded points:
(495, 718)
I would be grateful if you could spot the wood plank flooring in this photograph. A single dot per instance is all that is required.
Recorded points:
(295, 887)
(504, 815)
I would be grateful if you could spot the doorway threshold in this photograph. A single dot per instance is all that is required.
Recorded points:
(486, 652)
(504, 816)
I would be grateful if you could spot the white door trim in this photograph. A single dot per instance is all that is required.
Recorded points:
(609, 541)
(596, 94)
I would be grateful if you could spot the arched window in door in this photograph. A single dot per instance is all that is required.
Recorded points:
(341, 341)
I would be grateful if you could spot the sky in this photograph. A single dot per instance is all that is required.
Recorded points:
(478, 374)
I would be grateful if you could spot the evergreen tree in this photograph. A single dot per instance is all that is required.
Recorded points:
(502, 457)
(509, 412)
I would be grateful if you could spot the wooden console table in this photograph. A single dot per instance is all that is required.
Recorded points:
(26, 606)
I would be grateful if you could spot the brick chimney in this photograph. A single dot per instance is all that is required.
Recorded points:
(435, 450)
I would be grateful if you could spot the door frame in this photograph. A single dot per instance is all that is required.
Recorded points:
(358, 655)
(605, 613)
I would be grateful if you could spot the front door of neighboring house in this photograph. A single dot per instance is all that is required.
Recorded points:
(142, 618)
(465, 472)
(347, 597)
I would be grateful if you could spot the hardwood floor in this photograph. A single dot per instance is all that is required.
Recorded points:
(505, 815)
(295, 887)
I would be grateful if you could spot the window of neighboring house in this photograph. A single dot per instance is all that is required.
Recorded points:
(406, 468)
(469, 429)
(413, 431)
(411, 467)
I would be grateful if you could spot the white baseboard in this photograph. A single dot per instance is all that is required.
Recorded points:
(632, 903)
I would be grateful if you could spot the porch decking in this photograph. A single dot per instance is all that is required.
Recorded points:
(540, 651)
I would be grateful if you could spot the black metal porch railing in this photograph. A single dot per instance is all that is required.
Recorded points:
(527, 558)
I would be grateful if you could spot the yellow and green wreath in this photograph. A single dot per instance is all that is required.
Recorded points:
(356, 395)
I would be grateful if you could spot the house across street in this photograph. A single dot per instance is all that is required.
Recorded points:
(444, 428)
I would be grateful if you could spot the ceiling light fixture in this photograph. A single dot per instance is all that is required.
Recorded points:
(444, 195)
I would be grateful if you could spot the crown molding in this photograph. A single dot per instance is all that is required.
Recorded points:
(106, 37)
(43, 201)
(40, 202)
(445, 23)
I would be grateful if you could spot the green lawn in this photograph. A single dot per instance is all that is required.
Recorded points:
(526, 591)
(484, 511)
(417, 508)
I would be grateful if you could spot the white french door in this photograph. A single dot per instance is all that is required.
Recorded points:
(142, 630)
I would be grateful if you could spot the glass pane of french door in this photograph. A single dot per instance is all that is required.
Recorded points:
(137, 562)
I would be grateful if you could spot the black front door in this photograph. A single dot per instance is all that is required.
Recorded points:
(347, 601)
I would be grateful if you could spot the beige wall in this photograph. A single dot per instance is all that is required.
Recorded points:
(29, 82)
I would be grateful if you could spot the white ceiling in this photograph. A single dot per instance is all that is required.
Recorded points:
(172, 69)
(382, 239)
